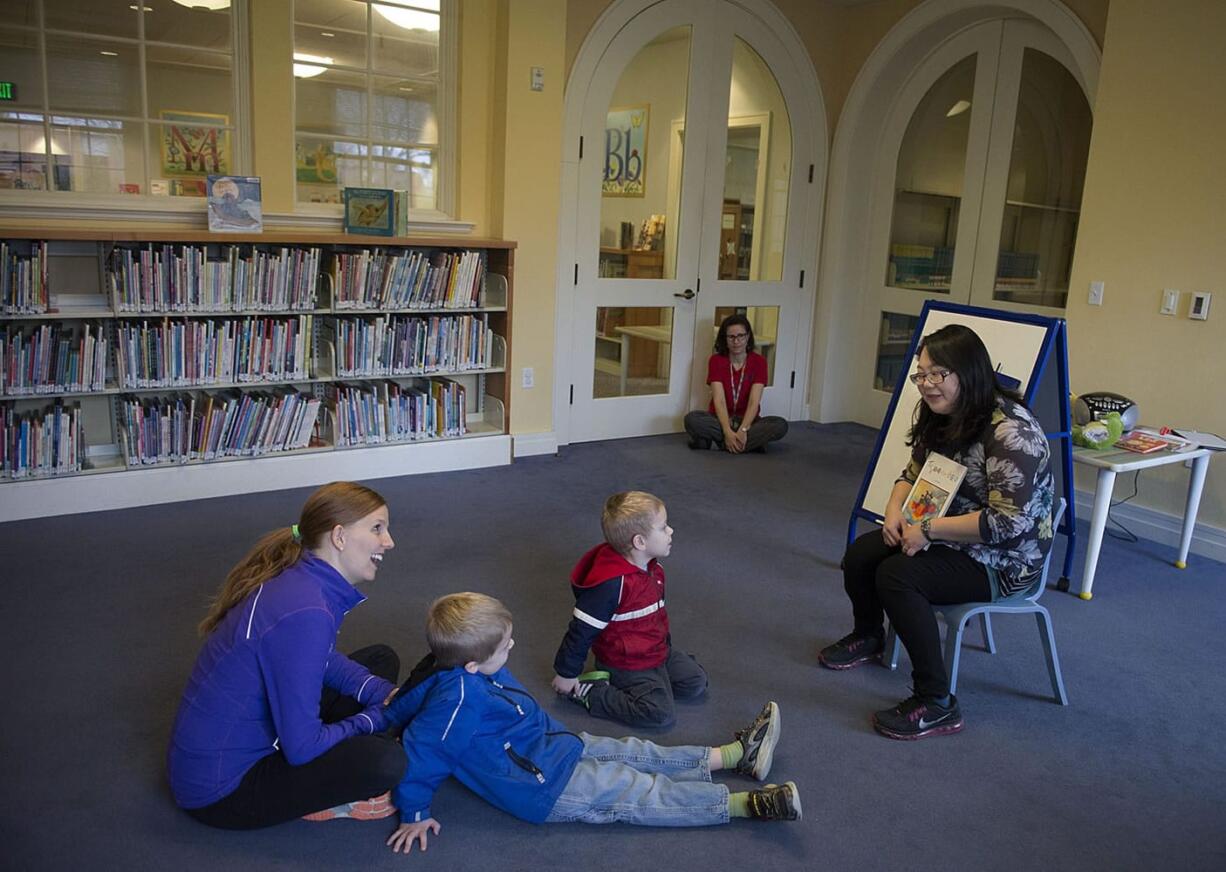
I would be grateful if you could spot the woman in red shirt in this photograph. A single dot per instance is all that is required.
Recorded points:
(737, 375)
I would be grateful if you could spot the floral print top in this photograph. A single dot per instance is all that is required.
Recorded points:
(1008, 479)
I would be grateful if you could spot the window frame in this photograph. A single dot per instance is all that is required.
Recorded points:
(51, 203)
(445, 200)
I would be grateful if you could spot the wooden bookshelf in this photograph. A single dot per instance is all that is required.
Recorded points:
(468, 345)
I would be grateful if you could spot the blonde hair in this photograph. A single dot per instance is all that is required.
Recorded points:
(627, 515)
(341, 502)
(466, 628)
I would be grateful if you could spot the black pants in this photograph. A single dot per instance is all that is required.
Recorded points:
(879, 578)
(644, 697)
(273, 791)
(704, 425)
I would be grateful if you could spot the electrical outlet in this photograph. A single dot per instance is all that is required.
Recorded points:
(1096, 294)
(1199, 307)
(529, 378)
(1170, 302)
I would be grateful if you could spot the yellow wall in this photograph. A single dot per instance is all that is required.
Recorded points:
(1154, 217)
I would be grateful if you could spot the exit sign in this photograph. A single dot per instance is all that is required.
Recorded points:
(8, 91)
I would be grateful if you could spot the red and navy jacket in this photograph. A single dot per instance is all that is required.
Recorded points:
(619, 614)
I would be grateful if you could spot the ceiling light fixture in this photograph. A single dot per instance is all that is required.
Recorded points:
(325, 33)
(411, 19)
(109, 54)
(958, 108)
(136, 8)
(309, 66)
(206, 5)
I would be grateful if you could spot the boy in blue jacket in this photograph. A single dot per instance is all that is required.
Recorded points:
(467, 716)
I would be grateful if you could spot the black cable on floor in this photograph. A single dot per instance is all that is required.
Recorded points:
(1127, 535)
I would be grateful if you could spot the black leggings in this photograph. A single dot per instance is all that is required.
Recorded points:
(879, 578)
(273, 791)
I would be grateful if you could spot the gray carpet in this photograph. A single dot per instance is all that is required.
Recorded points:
(98, 641)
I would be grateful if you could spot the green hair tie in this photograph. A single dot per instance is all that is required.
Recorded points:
(294, 532)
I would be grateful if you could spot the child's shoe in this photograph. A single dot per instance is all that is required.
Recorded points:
(775, 802)
(759, 740)
(915, 718)
(587, 681)
(372, 809)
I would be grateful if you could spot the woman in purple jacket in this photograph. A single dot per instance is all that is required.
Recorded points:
(274, 724)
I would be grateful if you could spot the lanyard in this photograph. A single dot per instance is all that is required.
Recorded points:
(736, 383)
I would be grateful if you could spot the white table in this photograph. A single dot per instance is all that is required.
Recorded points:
(1114, 461)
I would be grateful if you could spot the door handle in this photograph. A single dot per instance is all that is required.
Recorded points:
(688, 294)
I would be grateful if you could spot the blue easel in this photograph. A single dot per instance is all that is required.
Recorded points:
(1022, 344)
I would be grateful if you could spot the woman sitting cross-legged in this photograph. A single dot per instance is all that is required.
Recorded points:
(737, 376)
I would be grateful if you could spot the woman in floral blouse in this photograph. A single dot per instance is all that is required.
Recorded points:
(990, 544)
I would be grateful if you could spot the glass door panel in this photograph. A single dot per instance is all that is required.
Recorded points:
(893, 340)
(643, 161)
(928, 184)
(1051, 143)
(764, 321)
(633, 351)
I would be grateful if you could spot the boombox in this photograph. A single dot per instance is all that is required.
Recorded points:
(1091, 407)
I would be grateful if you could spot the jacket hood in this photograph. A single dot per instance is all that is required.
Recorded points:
(600, 564)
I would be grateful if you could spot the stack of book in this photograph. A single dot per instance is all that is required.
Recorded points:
(378, 279)
(371, 414)
(52, 359)
(23, 280)
(46, 442)
(400, 345)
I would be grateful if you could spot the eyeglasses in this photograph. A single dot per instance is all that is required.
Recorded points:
(736, 337)
(934, 378)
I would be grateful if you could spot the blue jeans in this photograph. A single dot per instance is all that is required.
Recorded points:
(634, 781)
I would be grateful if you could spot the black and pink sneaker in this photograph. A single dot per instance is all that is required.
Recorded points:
(852, 650)
(915, 718)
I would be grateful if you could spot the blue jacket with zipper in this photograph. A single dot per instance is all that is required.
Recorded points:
(489, 733)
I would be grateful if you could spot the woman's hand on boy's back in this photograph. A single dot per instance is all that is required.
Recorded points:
(401, 841)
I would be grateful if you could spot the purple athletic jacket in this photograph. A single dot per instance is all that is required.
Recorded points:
(256, 685)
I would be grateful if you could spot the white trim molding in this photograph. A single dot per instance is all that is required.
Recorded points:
(1158, 526)
(534, 444)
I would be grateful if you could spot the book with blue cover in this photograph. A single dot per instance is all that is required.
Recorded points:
(370, 211)
(235, 204)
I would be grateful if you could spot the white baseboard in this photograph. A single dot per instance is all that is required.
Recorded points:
(47, 497)
(533, 444)
(1160, 527)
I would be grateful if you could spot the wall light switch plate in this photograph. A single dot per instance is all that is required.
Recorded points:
(529, 377)
(538, 79)
(1170, 302)
(1199, 308)
(1096, 294)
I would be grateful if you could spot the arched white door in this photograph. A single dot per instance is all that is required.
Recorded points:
(980, 175)
(690, 204)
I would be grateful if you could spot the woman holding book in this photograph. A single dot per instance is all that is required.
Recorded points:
(737, 376)
(274, 724)
(989, 544)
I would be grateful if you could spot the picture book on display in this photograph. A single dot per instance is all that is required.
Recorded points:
(234, 204)
(934, 489)
(370, 211)
(1142, 443)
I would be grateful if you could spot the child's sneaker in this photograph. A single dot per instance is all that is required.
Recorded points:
(915, 718)
(372, 809)
(759, 740)
(775, 802)
(587, 681)
(852, 650)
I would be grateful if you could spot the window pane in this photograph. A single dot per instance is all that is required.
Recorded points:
(928, 184)
(98, 155)
(1051, 142)
(641, 185)
(633, 351)
(23, 155)
(90, 16)
(405, 169)
(171, 22)
(21, 66)
(187, 80)
(331, 29)
(404, 54)
(324, 166)
(892, 342)
(404, 112)
(757, 163)
(93, 77)
(184, 153)
(765, 323)
(332, 102)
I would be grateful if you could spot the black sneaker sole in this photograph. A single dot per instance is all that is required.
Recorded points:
(851, 664)
(938, 730)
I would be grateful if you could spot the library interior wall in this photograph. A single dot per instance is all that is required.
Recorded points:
(1153, 218)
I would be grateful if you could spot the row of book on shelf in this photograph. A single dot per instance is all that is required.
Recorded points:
(48, 442)
(377, 413)
(23, 280)
(50, 358)
(399, 345)
(412, 279)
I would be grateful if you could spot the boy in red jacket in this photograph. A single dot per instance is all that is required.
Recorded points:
(619, 614)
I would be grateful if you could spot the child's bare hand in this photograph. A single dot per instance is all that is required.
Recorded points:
(564, 685)
(401, 841)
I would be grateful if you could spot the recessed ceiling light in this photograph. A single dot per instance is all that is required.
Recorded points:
(410, 19)
(136, 8)
(325, 33)
(109, 54)
(958, 108)
(206, 5)
(306, 66)
(405, 89)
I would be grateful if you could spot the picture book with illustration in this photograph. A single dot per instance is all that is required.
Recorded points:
(933, 490)
(234, 204)
(371, 211)
(1142, 443)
